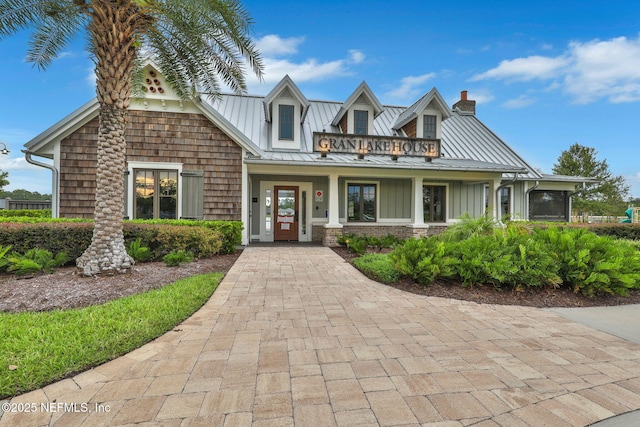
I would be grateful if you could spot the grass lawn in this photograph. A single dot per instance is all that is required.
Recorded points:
(39, 348)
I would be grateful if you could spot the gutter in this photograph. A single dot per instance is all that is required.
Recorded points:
(54, 179)
(497, 196)
(526, 198)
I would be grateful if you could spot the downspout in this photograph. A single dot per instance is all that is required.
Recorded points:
(54, 179)
(526, 197)
(497, 195)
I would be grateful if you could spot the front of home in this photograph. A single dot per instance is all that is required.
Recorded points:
(292, 169)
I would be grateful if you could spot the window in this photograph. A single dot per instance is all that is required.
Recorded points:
(156, 194)
(505, 201)
(433, 201)
(361, 202)
(286, 122)
(360, 122)
(429, 127)
(547, 205)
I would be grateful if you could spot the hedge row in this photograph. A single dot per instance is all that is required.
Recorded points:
(202, 238)
(31, 213)
(617, 230)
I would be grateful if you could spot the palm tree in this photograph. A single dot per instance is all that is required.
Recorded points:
(197, 44)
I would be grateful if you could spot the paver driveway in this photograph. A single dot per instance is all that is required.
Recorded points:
(296, 336)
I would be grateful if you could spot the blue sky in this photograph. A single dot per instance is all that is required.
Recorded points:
(545, 74)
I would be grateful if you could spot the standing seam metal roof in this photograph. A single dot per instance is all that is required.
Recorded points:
(465, 139)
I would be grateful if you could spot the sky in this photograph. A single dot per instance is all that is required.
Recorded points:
(545, 74)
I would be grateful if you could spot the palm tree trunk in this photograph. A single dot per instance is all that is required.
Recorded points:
(107, 253)
(113, 35)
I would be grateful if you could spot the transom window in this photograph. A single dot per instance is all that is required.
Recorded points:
(429, 127)
(156, 193)
(434, 203)
(360, 122)
(286, 122)
(361, 202)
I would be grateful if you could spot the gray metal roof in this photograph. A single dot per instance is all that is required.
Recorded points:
(467, 144)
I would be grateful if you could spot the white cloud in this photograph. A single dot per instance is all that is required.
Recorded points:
(587, 71)
(356, 56)
(604, 69)
(519, 102)
(634, 183)
(481, 96)
(525, 69)
(274, 45)
(279, 58)
(309, 70)
(410, 87)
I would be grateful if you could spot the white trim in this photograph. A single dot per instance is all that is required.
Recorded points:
(269, 185)
(287, 144)
(246, 204)
(131, 165)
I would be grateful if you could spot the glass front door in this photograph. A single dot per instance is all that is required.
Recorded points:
(286, 213)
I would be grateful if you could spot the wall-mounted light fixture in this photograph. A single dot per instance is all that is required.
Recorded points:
(395, 153)
(4, 149)
(361, 153)
(431, 152)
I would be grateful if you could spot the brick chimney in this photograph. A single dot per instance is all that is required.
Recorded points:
(465, 104)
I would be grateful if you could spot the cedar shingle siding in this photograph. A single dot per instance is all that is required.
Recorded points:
(189, 139)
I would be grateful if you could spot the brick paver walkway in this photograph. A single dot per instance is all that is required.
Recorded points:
(295, 336)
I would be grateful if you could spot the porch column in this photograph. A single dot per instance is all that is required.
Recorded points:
(418, 228)
(493, 210)
(333, 228)
(418, 208)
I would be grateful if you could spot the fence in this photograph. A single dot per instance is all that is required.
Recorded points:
(10, 204)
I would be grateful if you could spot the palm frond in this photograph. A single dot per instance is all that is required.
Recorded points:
(201, 44)
(55, 23)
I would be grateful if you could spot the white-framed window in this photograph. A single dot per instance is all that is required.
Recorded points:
(154, 190)
(362, 201)
(360, 122)
(429, 126)
(286, 122)
(156, 193)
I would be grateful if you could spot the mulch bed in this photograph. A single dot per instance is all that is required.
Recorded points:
(560, 297)
(65, 288)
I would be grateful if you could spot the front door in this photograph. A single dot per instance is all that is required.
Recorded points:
(286, 218)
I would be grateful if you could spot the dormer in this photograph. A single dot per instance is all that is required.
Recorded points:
(285, 108)
(424, 118)
(357, 113)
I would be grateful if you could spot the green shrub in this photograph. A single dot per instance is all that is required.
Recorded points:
(422, 260)
(377, 267)
(177, 258)
(138, 252)
(619, 231)
(69, 237)
(468, 227)
(74, 236)
(230, 231)
(35, 261)
(4, 261)
(592, 264)
(201, 242)
(31, 213)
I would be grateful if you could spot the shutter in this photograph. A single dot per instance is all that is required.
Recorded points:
(125, 196)
(192, 194)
